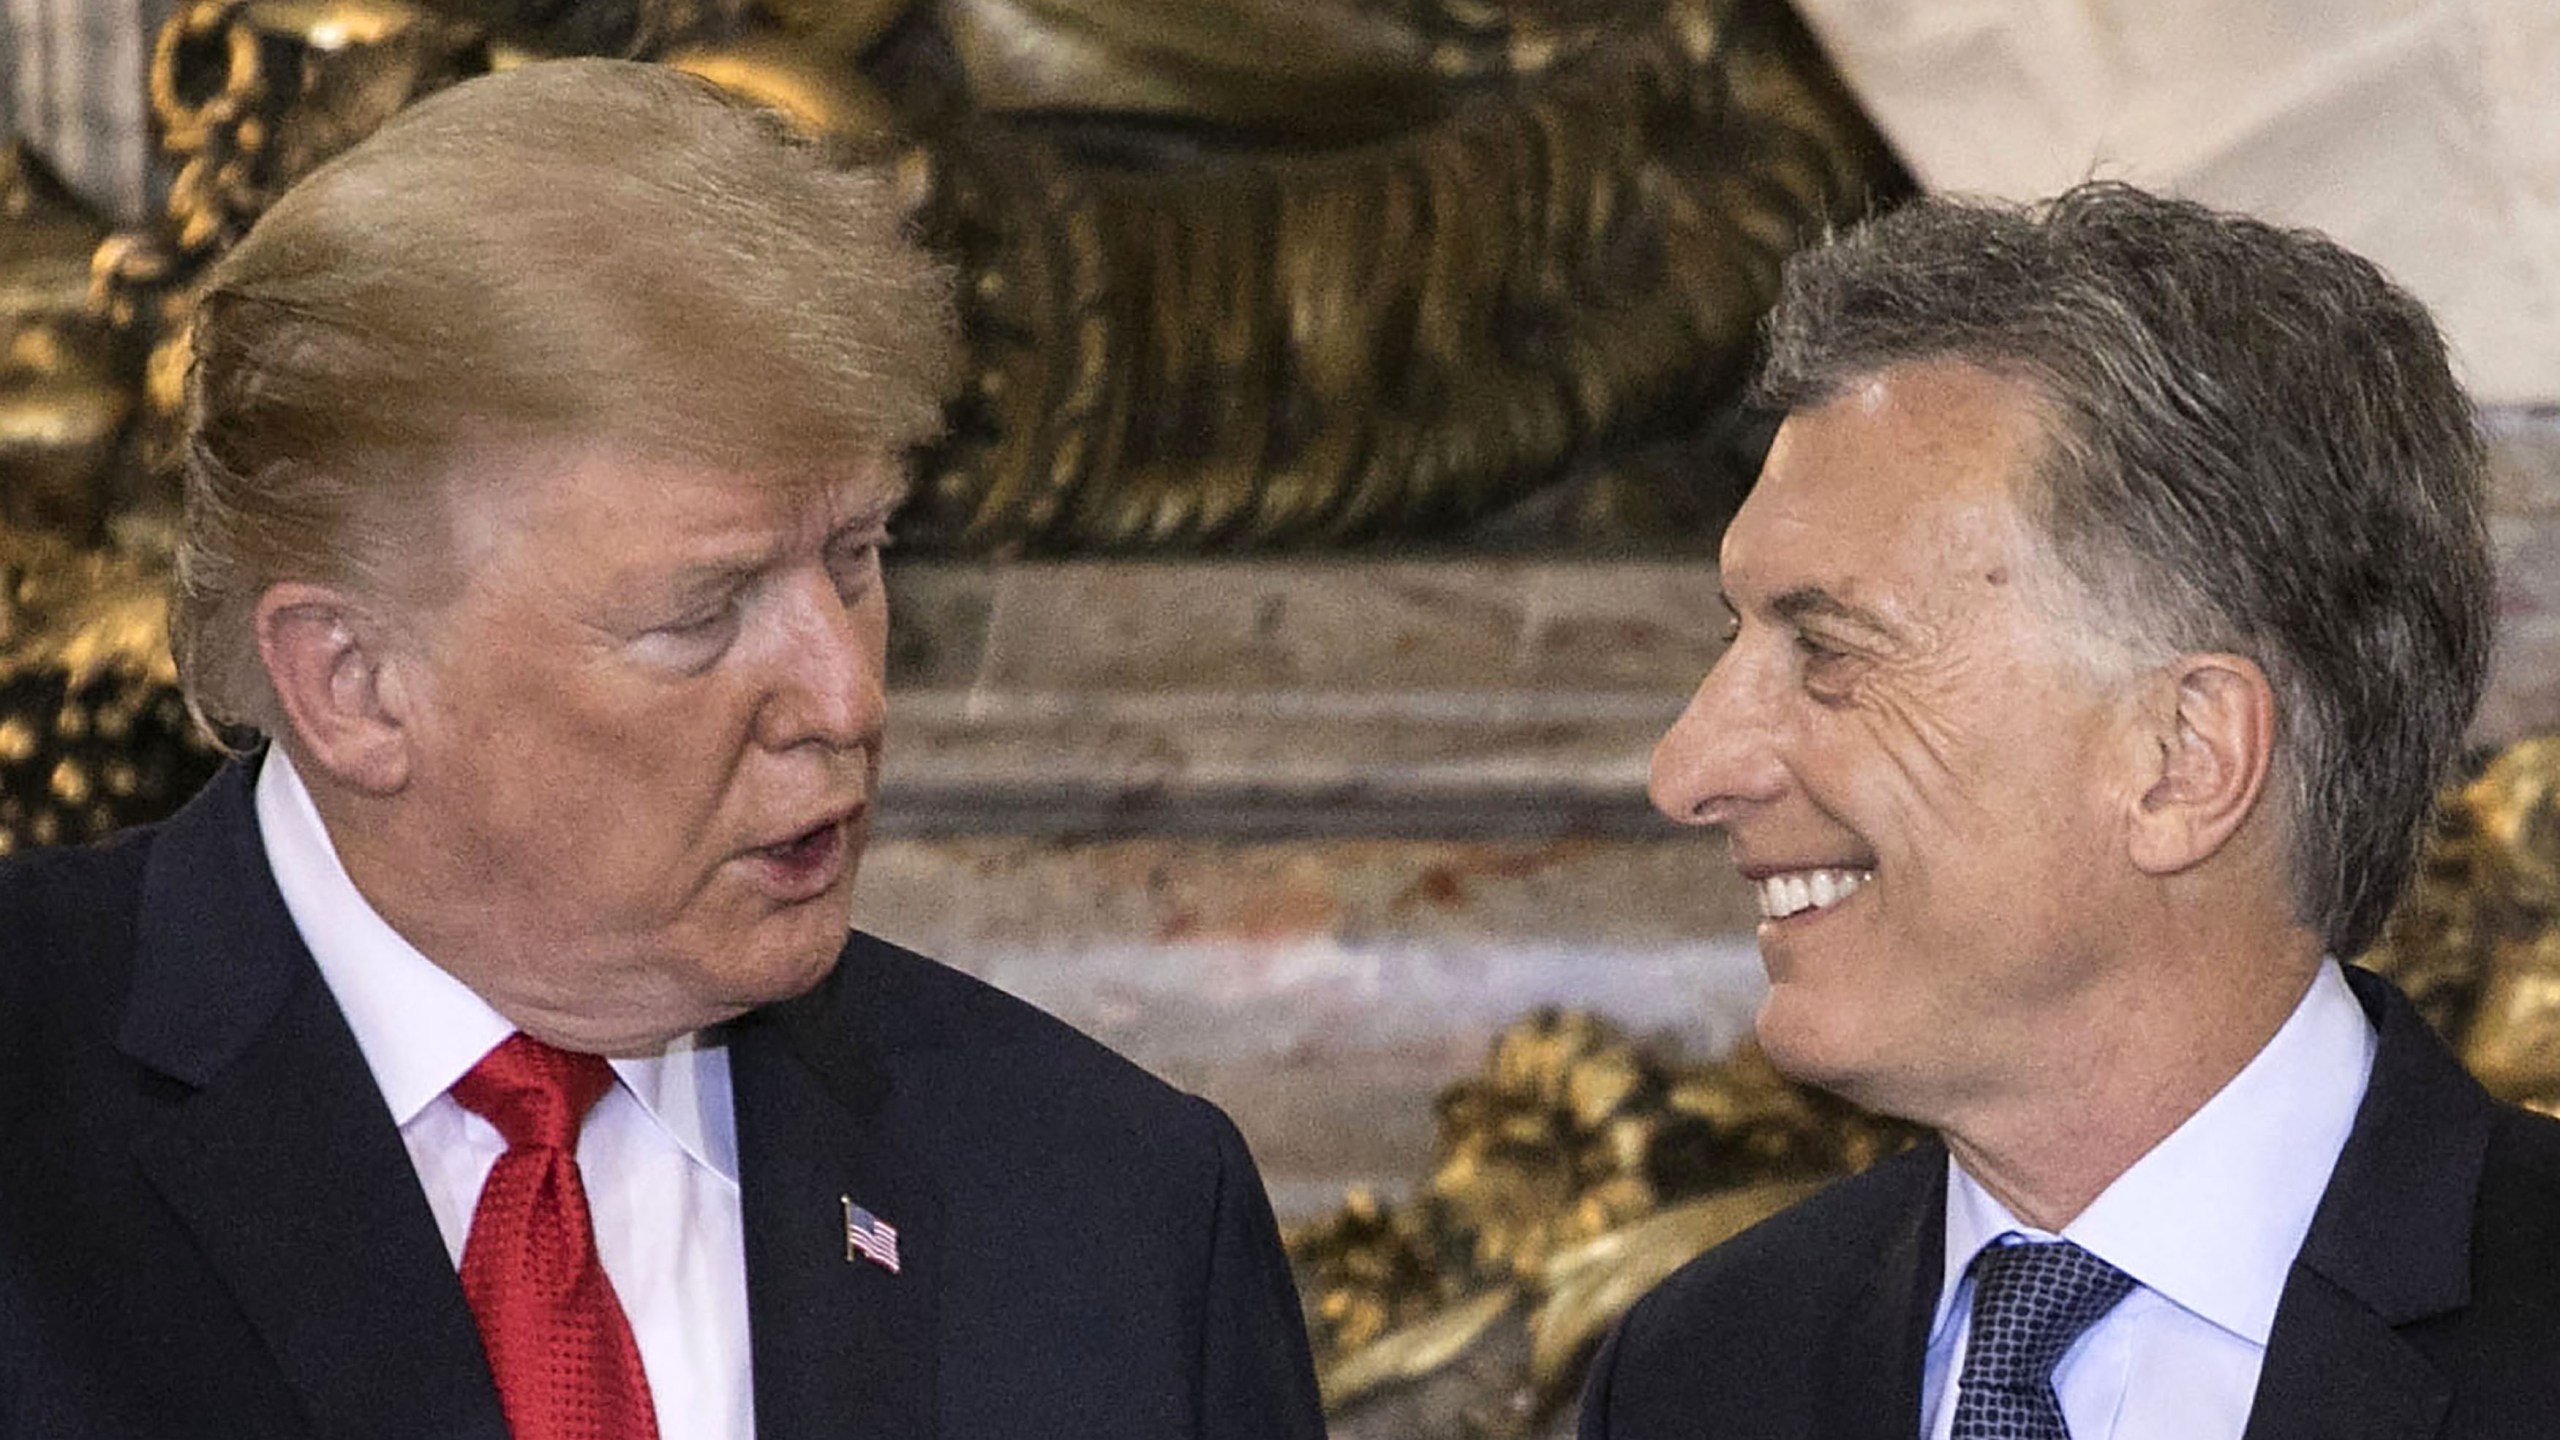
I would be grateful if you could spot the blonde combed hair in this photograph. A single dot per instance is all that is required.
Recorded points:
(572, 251)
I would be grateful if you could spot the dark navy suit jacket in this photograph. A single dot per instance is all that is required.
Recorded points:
(209, 1225)
(2425, 1301)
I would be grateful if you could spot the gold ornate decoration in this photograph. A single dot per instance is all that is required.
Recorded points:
(1574, 1172)
(1578, 1169)
(93, 734)
(2477, 943)
(63, 399)
(1236, 273)
(1445, 254)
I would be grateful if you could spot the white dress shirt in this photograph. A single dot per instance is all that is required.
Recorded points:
(658, 1153)
(2207, 1223)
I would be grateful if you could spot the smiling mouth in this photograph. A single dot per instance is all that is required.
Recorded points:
(1796, 892)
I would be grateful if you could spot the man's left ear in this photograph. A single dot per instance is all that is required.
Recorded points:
(2213, 747)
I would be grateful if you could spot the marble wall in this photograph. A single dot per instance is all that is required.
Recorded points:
(2524, 529)
(2422, 133)
(1323, 990)
(1303, 836)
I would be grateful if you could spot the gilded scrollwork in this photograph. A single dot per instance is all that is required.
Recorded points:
(1574, 1171)
(93, 733)
(1451, 254)
(2477, 943)
(63, 397)
(1236, 275)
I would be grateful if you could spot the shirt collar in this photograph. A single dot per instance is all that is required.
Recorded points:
(420, 1028)
(2212, 1216)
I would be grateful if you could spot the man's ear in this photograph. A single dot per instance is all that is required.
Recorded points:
(2213, 745)
(329, 662)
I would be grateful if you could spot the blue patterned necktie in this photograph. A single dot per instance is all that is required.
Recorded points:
(2030, 1302)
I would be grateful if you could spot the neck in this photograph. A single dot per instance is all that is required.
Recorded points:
(2049, 1150)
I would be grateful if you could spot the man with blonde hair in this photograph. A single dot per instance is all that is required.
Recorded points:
(487, 1051)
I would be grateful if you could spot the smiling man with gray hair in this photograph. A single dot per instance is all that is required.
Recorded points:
(2111, 605)
(486, 1052)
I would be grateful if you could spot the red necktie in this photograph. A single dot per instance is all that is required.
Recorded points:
(566, 1365)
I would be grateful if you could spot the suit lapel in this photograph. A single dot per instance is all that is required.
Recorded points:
(842, 1346)
(275, 1150)
(2336, 1371)
(2389, 1246)
(1872, 1370)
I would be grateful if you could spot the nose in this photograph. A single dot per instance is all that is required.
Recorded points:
(828, 686)
(1717, 759)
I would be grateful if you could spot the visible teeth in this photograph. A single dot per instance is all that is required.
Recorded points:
(1792, 894)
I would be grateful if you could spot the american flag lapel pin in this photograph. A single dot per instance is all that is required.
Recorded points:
(868, 1237)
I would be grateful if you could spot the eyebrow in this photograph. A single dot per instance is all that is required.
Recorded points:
(1812, 602)
(893, 487)
(706, 580)
(872, 516)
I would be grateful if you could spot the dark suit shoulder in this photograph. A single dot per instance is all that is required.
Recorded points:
(940, 1007)
(67, 923)
(1737, 1341)
(2524, 1150)
(934, 1016)
(2503, 1340)
(2516, 1231)
(1786, 1274)
(1107, 1259)
(1790, 1328)
(52, 900)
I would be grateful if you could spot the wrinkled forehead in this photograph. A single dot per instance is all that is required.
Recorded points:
(1918, 473)
(561, 489)
(498, 466)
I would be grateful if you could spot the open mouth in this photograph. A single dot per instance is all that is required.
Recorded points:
(805, 865)
(803, 848)
(1791, 893)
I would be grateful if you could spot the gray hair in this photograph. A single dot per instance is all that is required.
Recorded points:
(573, 251)
(2257, 446)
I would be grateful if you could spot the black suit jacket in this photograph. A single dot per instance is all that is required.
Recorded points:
(2425, 1301)
(209, 1225)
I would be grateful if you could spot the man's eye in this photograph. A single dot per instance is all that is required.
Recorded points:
(1829, 673)
(854, 563)
(704, 623)
(694, 641)
(703, 632)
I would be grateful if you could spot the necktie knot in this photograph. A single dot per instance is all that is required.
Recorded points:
(537, 1095)
(2030, 1301)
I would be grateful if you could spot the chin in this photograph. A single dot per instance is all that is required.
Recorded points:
(1809, 1043)
(1826, 1052)
(790, 970)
